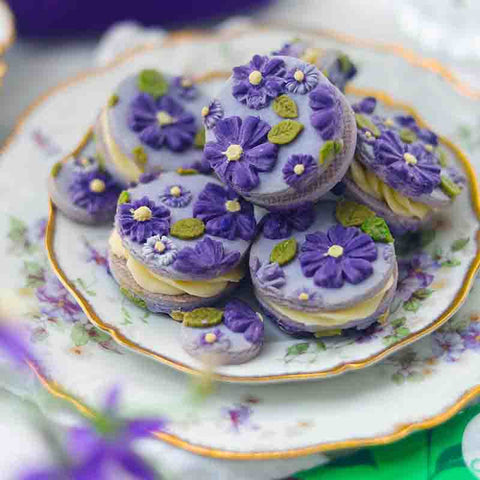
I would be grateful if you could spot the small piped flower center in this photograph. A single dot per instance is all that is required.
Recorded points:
(299, 76)
(205, 111)
(159, 246)
(85, 161)
(142, 214)
(410, 159)
(310, 55)
(210, 337)
(255, 77)
(369, 135)
(429, 147)
(389, 122)
(298, 169)
(186, 82)
(97, 185)
(335, 251)
(233, 152)
(232, 206)
(175, 191)
(304, 296)
(164, 118)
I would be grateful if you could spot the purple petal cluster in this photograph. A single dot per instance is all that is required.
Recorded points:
(302, 79)
(291, 49)
(367, 105)
(185, 88)
(162, 122)
(280, 223)
(240, 151)
(269, 276)
(258, 82)
(410, 167)
(212, 113)
(224, 213)
(298, 169)
(137, 227)
(343, 254)
(240, 318)
(327, 113)
(338, 75)
(208, 257)
(427, 136)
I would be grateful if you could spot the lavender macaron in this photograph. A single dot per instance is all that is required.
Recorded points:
(227, 336)
(329, 277)
(283, 134)
(82, 189)
(179, 242)
(400, 171)
(152, 122)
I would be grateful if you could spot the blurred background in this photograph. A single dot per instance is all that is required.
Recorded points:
(57, 39)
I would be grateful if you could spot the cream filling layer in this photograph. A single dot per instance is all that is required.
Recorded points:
(337, 317)
(155, 283)
(127, 168)
(369, 183)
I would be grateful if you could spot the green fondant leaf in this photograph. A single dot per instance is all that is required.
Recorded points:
(186, 171)
(459, 244)
(442, 157)
(124, 197)
(203, 317)
(140, 156)
(199, 140)
(152, 82)
(352, 214)
(113, 100)
(285, 107)
(449, 187)
(364, 123)
(345, 63)
(188, 228)
(284, 252)
(56, 169)
(338, 146)
(329, 150)
(378, 229)
(407, 135)
(284, 132)
(177, 315)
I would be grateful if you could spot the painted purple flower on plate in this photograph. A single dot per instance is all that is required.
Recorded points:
(240, 318)
(162, 122)
(471, 336)
(224, 213)
(185, 88)
(176, 196)
(280, 223)
(212, 113)
(94, 191)
(257, 83)
(298, 169)
(366, 105)
(208, 257)
(268, 275)
(427, 136)
(142, 219)
(326, 116)
(302, 79)
(447, 346)
(240, 151)
(343, 254)
(409, 168)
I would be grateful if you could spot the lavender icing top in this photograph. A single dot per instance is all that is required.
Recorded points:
(229, 226)
(286, 284)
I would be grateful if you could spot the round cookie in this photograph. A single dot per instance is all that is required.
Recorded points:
(82, 189)
(286, 134)
(179, 241)
(328, 277)
(230, 336)
(399, 170)
(151, 123)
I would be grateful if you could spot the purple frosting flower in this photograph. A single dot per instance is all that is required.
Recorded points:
(298, 169)
(471, 336)
(185, 88)
(268, 275)
(294, 48)
(224, 213)
(366, 105)
(93, 190)
(257, 83)
(161, 122)
(142, 219)
(302, 79)
(240, 318)
(241, 151)
(327, 112)
(408, 166)
(280, 223)
(340, 71)
(212, 113)
(219, 339)
(342, 254)
(176, 196)
(407, 121)
(447, 345)
(208, 257)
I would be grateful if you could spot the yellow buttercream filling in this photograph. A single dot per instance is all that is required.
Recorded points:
(337, 317)
(369, 183)
(126, 167)
(155, 283)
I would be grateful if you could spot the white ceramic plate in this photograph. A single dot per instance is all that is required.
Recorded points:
(283, 357)
(419, 387)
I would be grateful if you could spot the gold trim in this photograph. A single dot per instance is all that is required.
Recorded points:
(344, 367)
(402, 430)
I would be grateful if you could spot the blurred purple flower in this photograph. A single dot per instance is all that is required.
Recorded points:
(447, 346)
(55, 301)
(14, 345)
(471, 336)
(238, 415)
